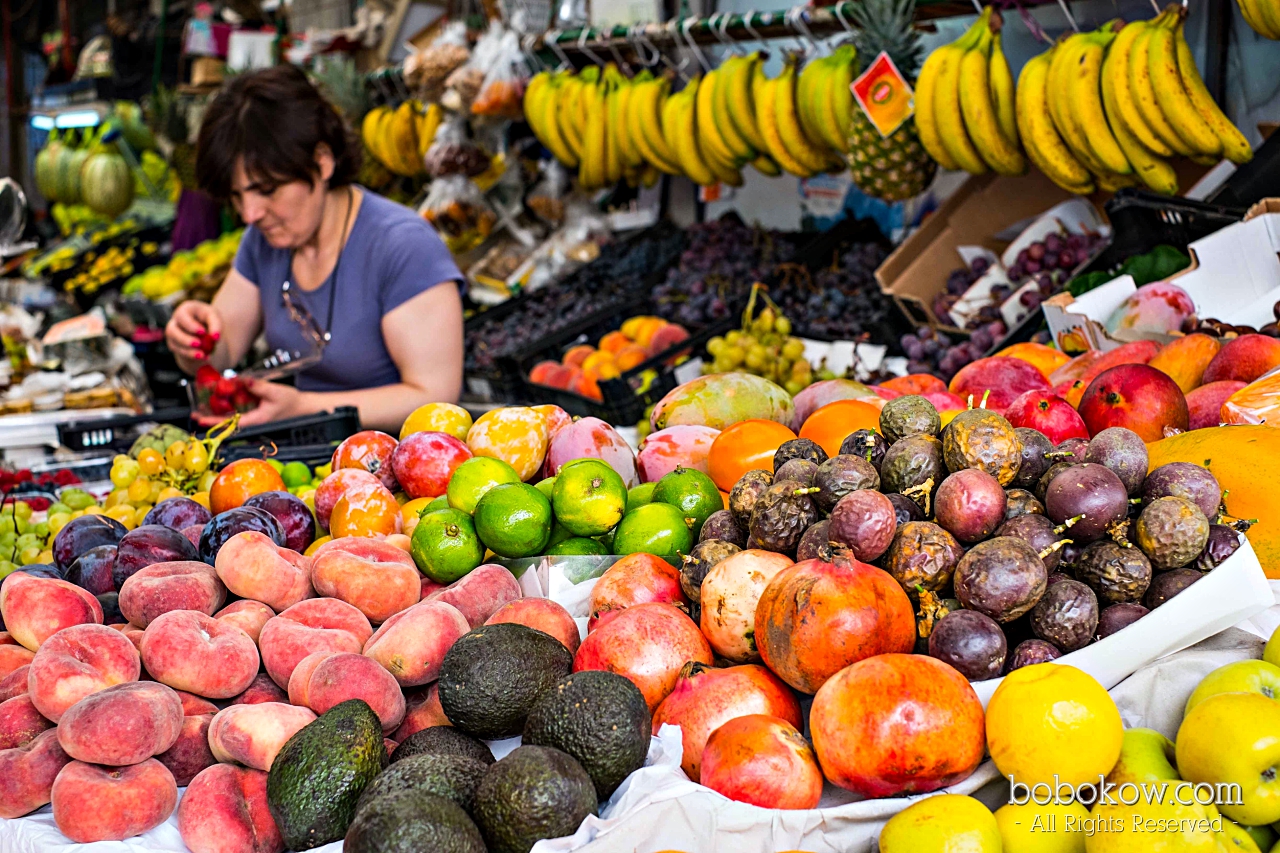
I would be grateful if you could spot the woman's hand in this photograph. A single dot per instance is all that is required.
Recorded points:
(193, 324)
(277, 402)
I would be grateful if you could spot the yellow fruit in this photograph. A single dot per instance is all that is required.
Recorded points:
(168, 492)
(175, 455)
(139, 489)
(1033, 828)
(1271, 654)
(1135, 829)
(315, 546)
(515, 434)
(124, 514)
(946, 823)
(151, 461)
(201, 498)
(438, 417)
(410, 512)
(196, 459)
(1233, 739)
(1053, 723)
(140, 513)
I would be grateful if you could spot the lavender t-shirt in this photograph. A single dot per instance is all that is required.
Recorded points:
(391, 256)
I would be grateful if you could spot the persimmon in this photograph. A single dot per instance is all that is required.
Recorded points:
(743, 447)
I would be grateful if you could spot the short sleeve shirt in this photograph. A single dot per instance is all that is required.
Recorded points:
(392, 255)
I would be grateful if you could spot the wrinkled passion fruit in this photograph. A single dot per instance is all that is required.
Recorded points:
(1124, 452)
(811, 543)
(1035, 445)
(929, 612)
(1042, 485)
(1070, 450)
(841, 475)
(722, 525)
(970, 504)
(1020, 502)
(1185, 480)
(1171, 531)
(864, 522)
(1223, 542)
(745, 493)
(971, 642)
(907, 509)
(1117, 617)
(914, 467)
(1038, 532)
(922, 554)
(906, 416)
(1091, 494)
(800, 470)
(1067, 615)
(1034, 651)
(702, 559)
(797, 448)
(1165, 585)
(865, 444)
(782, 515)
(1115, 573)
(978, 438)
(1003, 578)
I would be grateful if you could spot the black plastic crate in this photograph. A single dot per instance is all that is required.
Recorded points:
(323, 429)
(116, 433)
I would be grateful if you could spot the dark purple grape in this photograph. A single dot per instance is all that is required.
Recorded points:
(1119, 616)
(149, 544)
(1053, 242)
(1091, 494)
(178, 513)
(1067, 259)
(1165, 585)
(1036, 251)
(92, 570)
(1030, 652)
(81, 534)
(1051, 260)
(227, 524)
(1066, 616)
(971, 642)
(296, 519)
(1223, 542)
(980, 265)
(1032, 267)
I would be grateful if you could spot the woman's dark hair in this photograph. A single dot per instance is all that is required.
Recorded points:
(272, 120)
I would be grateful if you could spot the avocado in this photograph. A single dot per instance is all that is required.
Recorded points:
(601, 719)
(443, 740)
(494, 674)
(536, 792)
(320, 772)
(454, 777)
(413, 822)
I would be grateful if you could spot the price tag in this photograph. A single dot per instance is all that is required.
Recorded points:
(884, 95)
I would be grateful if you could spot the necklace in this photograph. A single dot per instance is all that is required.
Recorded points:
(299, 312)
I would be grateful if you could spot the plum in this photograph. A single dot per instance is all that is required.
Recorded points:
(865, 444)
(745, 493)
(1124, 452)
(841, 475)
(1002, 577)
(149, 544)
(813, 540)
(721, 525)
(227, 524)
(295, 517)
(970, 504)
(178, 513)
(1020, 502)
(1067, 615)
(1035, 445)
(1117, 574)
(922, 554)
(41, 570)
(971, 642)
(864, 522)
(1166, 585)
(110, 602)
(701, 560)
(1033, 651)
(1185, 480)
(1223, 542)
(1172, 532)
(1119, 616)
(81, 534)
(906, 509)
(1038, 532)
(1091, 494)
(797, 448)
(800, 470)
(93, 569)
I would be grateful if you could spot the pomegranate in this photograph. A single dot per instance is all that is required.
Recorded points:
(815, 618)
(704, 699)
(647, 643)
(730, 593)
(635, 579)
(764, 761)
(897, 724)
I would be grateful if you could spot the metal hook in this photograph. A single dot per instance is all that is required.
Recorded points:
(1070, 18)
(746, 25)
(697, 52)
(977, 6)
(721, 33)
(622, 63)
(836, 10)
(582, 46)
(795, 21)
(552, 40)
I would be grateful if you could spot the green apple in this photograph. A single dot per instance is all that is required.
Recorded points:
(1238, 838)
(1234, 738)
(1145, 756)
(1242, 676)
(1271, 654)
(1263, 836)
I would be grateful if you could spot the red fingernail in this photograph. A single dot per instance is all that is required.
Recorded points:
(216, 336)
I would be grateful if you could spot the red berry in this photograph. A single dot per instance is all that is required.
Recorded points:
(207, 376)
(219, 406)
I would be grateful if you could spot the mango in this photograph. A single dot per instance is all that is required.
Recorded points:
(1185, 359)
(721, 400)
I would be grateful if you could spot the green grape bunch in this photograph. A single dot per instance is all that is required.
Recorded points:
(763, 347)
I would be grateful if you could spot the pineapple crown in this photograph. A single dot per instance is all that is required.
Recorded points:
(887, 25)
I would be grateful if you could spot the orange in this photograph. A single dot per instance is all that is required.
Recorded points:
(1043, 358)
(315, 546)
(368, 509)
(614, 341)
(240, 481)
(575, 356)
(834, 422)
(630, 356)
(742, 447)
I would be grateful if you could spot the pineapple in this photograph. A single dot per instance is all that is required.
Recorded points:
(897, 167)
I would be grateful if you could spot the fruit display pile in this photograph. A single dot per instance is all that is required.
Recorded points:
(583, 366)
(190, 270)
(841, 301)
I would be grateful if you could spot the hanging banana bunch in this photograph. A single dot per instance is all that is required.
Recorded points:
(1263, 16)
(398, 138)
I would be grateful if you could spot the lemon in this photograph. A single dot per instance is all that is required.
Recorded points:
(1033, 828)
(946, 823)
(474, 477)
(437, 417)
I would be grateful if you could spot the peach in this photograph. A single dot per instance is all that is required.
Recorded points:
(34, 609)
(225, 811)
(27, 773)
(247, 615)
(338, 677)
(377, 578)
(422, 711)
(1244, 359)
(261, 689)
(429, 586)
(20, 722)
(253, 566)
(124, 724)
(164, 587)
(1204, 404)
(411, 645)
(541, 614)
(314, 625)
(252, 734)
(6, 639)
(12, 657)
(112, 803)
(193, 705)
(1184, 359)
(77, 662)
(683, 445)
(189, 650)
(300, 678)
(14, 684)
(480, 593)
(132, 632)
(190, 753)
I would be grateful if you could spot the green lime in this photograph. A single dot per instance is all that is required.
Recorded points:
(474, 477)
(559, 533)
(296, 474)
(277, 464)
(441, 502)
(589, 497)
(640, 495)
(514, 520)
(607, 541)
(445, 545)
(547, 487)
(692, 492)
(579, 545)
(655, 528)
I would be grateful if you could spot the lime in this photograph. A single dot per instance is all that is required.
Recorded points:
(296, 474)
(277, 464)
(655, 528)
(580, 546)
(640, 495)
(547, 487)
(441, 502)
(692, 492)
(445, 545)
(589, 497)
(474, 477)
(607, 540)
(514, 520)
(559, 533)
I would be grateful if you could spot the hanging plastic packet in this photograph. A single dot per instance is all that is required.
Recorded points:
(546, 199)
(502, 95)
(1256, 403)
(426, 70)
(453, 153)
(457, 209)
(463, 85)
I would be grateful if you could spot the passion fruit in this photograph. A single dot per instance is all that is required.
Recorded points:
(813, 540)
(1034, 651)
(929, 612)
(970, 504)
(1090, 494)
(1067, 615)
(841, 475)
(1042, 485)
(797, 448)
(906, 416)
(914, 467)
(1003, 578)
(1117, 574)
(745, 493)
(979, 438)
(1020, 502)
(922, 555)
(906, 509)
(1070, 450)
(864, 522)
(1171, 531)
(782, 515)
(722, 525)
(971, 642)
(800, 470)
(702, 559)
(1038, 532)
(1118, 617)
(1166, 585)
(1223, 542)
(1124, 452)
(865, 444)
(1185, 480)
(1035, 445)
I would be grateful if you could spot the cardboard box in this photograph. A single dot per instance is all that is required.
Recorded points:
(1234, 277)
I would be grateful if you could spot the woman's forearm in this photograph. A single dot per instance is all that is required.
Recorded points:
(383, 408)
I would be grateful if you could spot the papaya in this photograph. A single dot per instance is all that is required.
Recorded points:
(721, 400)
(1246, 461)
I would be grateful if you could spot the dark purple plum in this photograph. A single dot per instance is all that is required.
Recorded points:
(971, 642)
(866, 444)
(813, 540)
(797, 448)
(1070, 450)
(1019, 502)
(907, 509)
(178, 513)
(227, 524)
(149, 544)
(701, 560)
(800, 470)
(41, 570)
(1035, 445)
(81, 534)
(110, 602)
(1124, 452)
(1119, 616)
(1117, 574)
(1003, 578)
(721, 525)
(864, 522)
(1030, 652)
(970, 504)
(1038, 532)
(295, 517)
(1185, 480)
(841, 475)
(1051, 474)
(93, 570)
(1067, 615)
(1223, 542)
(922, 555)
(1091, 494)
(1165, 585)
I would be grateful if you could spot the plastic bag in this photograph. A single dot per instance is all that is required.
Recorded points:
(1256, 403)
(457, 209)
(426, 70)
(502, 94)
(546, 199)
(453, 153)
(464, 83)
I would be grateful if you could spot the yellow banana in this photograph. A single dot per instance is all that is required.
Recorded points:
(1267, 16)
(740, 100)
(1236, 148)
(647, 114)
(566, 114)
(1110, 183)
(1144, 93)
(369, 131)
(631, 157)
(404, 140)
(592, 171)
(1039, 136)
(555, 140)
(979, 112)
(1119, 55)
(1065, 59)
(840, 101)
(790, 132)
(1172, 95)
(710, 143)
(1084, 101)
(430, 123)
(613, 124)
(766, 120)
(926, 122)
(1001, 82)
(811, 86)
(678, 126)
(739, 146)
(946, 104)
(1150, 169)
(765, 165)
